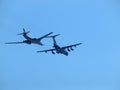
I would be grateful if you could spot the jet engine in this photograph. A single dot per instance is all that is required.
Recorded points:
(53, 52)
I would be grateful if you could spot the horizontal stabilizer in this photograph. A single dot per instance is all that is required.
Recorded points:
(24, 32)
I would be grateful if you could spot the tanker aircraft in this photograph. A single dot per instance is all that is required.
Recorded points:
(60, 50)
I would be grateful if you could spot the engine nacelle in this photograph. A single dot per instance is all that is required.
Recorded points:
(71, 48)
(53, 52)
(68, 49)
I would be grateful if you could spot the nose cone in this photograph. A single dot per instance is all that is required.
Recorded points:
(66, 53)
(41, 44)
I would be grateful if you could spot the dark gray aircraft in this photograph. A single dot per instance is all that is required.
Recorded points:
(30, 40)
(60, 50)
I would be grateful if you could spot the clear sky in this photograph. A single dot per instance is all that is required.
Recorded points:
(95, 65)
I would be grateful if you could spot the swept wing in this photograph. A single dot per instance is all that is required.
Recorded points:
(66, 47)
(45, 35)
(70, 46)
(14, 42)
(47, 50)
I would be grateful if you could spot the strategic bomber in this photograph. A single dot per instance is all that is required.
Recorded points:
(60, 50)
(30, 40)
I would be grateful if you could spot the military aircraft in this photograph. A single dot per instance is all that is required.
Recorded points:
(30, 40)
(60, 50)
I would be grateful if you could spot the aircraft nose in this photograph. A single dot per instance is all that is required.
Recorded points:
(66, 54)
(41, 44)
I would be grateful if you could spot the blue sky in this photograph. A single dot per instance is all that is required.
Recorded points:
(92, 66)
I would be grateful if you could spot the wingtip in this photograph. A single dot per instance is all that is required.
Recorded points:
(80, 43)
(5, 43)
(50, 33)
(38, 51)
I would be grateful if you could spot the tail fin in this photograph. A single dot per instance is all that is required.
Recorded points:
(24, 32)
(53, 37)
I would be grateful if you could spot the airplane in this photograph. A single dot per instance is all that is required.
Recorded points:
(60, 50)
(30, 40)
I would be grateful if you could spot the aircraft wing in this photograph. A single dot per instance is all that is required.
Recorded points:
(45, 35)
(47, 50)
(14, 42)
(70, 46)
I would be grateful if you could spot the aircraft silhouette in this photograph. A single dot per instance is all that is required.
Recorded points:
(60, 50)
(30, 40)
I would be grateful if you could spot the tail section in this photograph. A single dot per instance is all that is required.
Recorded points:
(53, 37)
(24, 32)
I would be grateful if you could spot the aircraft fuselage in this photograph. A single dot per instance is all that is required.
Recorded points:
(33, 41)
(60, 50)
